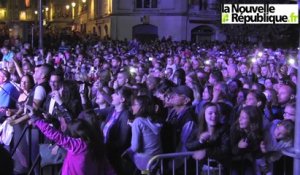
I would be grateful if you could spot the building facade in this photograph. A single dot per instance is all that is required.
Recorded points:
(194, 20)
(142, 19)
(181, 20)
(17, 17)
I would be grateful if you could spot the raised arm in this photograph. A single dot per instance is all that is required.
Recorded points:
(74, 145)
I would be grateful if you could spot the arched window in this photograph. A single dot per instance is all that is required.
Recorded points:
(145, 32)
(202, 33)
(146, 3)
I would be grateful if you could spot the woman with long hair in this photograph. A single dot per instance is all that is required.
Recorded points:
(213, 138)
(145, 141)
(84, 145)
(18, 121)
(246, 135)
(191, 80)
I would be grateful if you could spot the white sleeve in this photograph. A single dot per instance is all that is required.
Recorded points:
(39, 93)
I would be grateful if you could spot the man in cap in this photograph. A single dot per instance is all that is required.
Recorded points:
(181, 121)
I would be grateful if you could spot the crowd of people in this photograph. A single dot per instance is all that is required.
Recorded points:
(112, 105)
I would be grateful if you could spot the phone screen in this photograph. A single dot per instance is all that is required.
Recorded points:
(81, 88)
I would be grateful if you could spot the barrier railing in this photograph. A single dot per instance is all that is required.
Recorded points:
(157, 163)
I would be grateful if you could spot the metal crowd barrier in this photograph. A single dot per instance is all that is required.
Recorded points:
(52, 169)
(157, 163)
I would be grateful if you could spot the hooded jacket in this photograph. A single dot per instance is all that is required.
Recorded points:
(77, 160)
(145, 142)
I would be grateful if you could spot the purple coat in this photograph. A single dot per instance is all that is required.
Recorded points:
(77, 161)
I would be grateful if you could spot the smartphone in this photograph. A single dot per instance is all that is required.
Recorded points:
(132, 70)
(82, 88)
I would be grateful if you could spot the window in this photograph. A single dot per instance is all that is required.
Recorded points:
(146, 3)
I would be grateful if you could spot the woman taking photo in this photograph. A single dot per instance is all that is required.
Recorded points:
(84, 145)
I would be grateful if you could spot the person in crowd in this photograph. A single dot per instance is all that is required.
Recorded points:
(213, 138)
(8, 56)
(233, 88)
(36, 99)
(8, 94)
(192, 82)
(123, 79)
(117, 132)
(181, 124)
(85, 151)
(258, 87)
(17, 120)
(220, 96)
(233, 72)
(41, 77)
(258, 99)
(179, 77)
(152, 83)
(14, 77)
(286, 92)
(245, 135)
(215, 77)
(55, 82)
(277, 137)
(171, 64)
(145, 129)
(207, 96)
(270, 82)
(264, 73)
(103, 98)
(25, 68)
(289, 112)
(116, 64)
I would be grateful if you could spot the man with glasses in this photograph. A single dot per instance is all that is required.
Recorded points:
(55, 82)
(290, 111)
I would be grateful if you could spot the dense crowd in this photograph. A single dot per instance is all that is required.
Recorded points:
(112, 105)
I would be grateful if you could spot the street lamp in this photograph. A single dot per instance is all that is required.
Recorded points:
(67, 7)
(83, 1)
(46, 12)
(73, 4)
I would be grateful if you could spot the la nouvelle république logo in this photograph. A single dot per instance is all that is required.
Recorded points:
(259, 14)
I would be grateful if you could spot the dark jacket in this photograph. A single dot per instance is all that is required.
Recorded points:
(218, 147)
(119, 136)
(248, 153)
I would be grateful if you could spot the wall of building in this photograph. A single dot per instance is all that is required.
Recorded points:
(174, 26)
(172, 18)
(163, 6)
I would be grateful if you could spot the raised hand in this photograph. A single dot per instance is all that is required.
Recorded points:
(243, 143)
